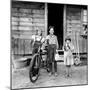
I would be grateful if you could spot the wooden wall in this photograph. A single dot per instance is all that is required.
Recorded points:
(25, 19)
(74, 28)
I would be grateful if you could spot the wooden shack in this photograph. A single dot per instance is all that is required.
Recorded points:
(27, 17)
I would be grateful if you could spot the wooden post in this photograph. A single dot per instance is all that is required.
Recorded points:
(82, 50)
(64, 24)
(46, 17)
(18, 41)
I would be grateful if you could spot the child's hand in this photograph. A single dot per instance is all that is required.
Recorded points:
(56, 51)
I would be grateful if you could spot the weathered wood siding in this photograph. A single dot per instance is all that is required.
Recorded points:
(25, 19)
(74, 28)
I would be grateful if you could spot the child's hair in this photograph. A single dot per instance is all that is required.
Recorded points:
(51, 27)
(69, 39)
(37, 31)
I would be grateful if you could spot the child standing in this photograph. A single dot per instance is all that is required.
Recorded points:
(53, 45)
(68, 57)
(36, 41)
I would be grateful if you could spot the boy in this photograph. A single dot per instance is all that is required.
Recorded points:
(53, 45)
(68, 57)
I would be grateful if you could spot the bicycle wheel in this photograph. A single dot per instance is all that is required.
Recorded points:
(34, 68)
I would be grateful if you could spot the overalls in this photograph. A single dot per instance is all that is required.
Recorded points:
(36, 46)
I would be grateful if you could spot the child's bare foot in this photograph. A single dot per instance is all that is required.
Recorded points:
(50, 74)
(69, 75)
(55, 74)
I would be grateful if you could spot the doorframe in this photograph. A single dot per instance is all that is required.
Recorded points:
(46, 19)
(64, 22)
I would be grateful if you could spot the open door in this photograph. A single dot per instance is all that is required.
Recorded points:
(55, 18)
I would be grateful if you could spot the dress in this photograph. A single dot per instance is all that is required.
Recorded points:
(68, 56)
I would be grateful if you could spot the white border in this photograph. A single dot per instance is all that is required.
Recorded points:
(85, 2)
(5, 43)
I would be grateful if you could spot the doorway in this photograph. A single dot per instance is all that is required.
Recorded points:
(55, 18)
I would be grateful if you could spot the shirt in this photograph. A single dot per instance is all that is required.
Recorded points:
(52, 39)
(37, 38)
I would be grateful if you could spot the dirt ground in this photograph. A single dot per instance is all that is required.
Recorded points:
(20, 77)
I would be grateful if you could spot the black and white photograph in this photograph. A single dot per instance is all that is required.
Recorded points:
(49, 44)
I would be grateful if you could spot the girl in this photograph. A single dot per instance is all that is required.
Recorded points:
(36, 41)
(68, 57)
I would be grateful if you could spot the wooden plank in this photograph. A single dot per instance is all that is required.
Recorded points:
(21, 28)
(73, 9)
(24, 31)
(21, 24)
(14, 10)
(73, 13)
(73, 25)
(38, 24)
(38, 20)
(28, 37)
(73, 18)
(74, 21)
(33, 20)
(73, 28)
(40, 27)
(31, 24)
(26, 19)
(28, 15)
(24, 12)
(38, 11)
(27, 28)
(38, 16)
(29, 11)
(19, 14)
(22, 34)
(14, 28)
(14, 23)
(32, 5)
(21, 19)
(25, 24)
(14, 19)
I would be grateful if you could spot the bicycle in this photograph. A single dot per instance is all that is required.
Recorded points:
(38, 62)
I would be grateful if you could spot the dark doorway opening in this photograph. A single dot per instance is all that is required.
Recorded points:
(55, 18)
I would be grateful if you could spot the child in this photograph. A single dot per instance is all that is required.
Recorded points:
(68, 57)
(53, 45)
(36, 41)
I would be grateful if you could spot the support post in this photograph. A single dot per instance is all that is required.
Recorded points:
(64, 24)
(46, 18)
